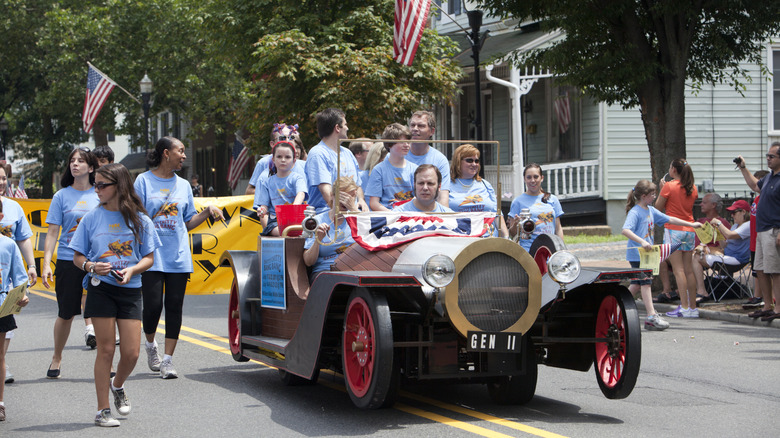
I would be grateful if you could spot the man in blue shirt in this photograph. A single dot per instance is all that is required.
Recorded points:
(423, 126)
(767, 263)
(427, 182)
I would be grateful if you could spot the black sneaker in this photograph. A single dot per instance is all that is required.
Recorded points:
(753, 302)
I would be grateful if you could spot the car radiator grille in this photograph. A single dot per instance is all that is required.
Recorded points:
(493, 291)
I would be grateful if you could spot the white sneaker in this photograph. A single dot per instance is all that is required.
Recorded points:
(105, 419)
(117, 337)
(9, 378)
(166, 370)
(153, 357)
(690, 313)
(89, 336)
(120, 400)
(655, 322)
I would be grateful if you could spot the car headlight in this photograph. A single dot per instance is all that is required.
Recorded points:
(439, 270)
(563, 267)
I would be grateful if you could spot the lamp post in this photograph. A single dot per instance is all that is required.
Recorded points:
(4, 132)
(477, 40)
(146, 96)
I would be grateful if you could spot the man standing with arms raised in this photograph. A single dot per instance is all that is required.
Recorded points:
(767, 261)
(423, 127)
(321, 170)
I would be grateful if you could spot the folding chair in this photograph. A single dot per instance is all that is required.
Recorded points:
(721, 281)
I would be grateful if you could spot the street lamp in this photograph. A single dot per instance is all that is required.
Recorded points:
(4, 132)
(146, 96)
(477, 39)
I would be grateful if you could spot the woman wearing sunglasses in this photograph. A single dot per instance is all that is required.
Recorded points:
(68, 206)
(114, 243)
(469, 191)
(168, 199)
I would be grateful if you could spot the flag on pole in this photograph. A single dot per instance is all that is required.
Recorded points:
(19, 192)
(563, 112)
(378, 231)
(410, 19)
(238, 160)
(99, 87)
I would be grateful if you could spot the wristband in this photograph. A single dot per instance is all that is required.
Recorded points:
(83, 265)
(92, 268)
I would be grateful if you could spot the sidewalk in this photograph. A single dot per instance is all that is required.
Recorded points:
(613, 255)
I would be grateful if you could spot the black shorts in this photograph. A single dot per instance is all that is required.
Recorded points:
(109, 301)
(272, 223)
(68, 288)
(7, 323)
(646, 281)
(752, 261)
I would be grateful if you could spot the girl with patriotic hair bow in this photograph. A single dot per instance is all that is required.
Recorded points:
(283, 186)
(641, 220)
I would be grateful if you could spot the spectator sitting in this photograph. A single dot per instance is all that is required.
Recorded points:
(711, 205)
(736, 247)
(427, 182)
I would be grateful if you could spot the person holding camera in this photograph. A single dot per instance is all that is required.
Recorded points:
(767, 262)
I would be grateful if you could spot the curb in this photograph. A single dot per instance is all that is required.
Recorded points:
(737, 318)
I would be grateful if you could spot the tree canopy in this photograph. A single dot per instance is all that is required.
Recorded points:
(641, 52)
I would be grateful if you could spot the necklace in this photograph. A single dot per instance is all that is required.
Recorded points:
(465, 186)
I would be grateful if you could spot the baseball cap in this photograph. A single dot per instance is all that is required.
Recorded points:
(739, 205)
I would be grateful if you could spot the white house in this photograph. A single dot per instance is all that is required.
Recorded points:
(592, 160)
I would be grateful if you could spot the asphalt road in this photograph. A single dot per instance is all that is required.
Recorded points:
(699, 378)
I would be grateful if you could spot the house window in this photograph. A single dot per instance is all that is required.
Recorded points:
(774, 97)
(453, 7)
(564, 115)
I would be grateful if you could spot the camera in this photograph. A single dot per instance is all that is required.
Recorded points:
(117, 275)
(738, 161)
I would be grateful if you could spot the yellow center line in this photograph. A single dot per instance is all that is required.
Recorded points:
(449, 421)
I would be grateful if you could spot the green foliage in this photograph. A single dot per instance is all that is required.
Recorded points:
(309, 60)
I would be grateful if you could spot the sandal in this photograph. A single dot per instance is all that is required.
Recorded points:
(760, 313)
(667, 297)
(771, 316)
(702, 298)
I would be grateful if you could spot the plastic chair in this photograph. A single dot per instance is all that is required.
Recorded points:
(720, 280)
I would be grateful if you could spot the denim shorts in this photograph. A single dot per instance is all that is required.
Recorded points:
(269, 226)
(686, 239)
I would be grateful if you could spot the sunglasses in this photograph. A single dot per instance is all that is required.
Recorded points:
(285, 137)
(471, 160)
(83, 148)
(771, 156)
(102, 185)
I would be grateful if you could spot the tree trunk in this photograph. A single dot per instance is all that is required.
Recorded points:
(662, 106)
(101, 136)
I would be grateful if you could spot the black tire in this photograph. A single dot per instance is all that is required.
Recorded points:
(543, 247)
(290, 379)
(617, 361)
(516, 390)
(371, 374)
(235, 325)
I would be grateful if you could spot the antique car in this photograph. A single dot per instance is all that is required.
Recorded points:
(460, 309)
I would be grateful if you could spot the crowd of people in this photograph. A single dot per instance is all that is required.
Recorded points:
(109, 232)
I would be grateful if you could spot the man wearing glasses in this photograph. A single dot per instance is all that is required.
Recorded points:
(280, 132)
(767, 262)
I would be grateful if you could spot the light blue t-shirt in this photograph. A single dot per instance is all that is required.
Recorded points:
(276, 190)
(328, 254)
(739, 248)
(67, 208)
(170, 215)
(391, 184)
(14, 223)
(409, 206)
(472, 195)
(433, 156)
(12, 271)
(321, 169)
(299, 168)
(642, 222)
(103, 236)
(542, 214)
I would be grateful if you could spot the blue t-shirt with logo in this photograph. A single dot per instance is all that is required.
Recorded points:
(67, 208)
(543, 214)
(170, 204)
(433, 156)
(409, 206)
(12, 271)
(391, 184)
(328, 254)
(299, 168)
(103, 236)
(277, 190)
(472, 195)
(14, 223)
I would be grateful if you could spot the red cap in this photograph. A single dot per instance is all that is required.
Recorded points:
(739, 205)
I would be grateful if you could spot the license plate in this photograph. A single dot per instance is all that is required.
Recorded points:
(497, 342)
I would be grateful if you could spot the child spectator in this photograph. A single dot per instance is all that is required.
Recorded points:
(641, 218)
(282, 187)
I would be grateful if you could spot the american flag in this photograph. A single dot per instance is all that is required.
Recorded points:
(563, 112)
(378, 231)
(410, 19)
(99, 87)
(667, 249)
(238, 160)
(19, 192)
